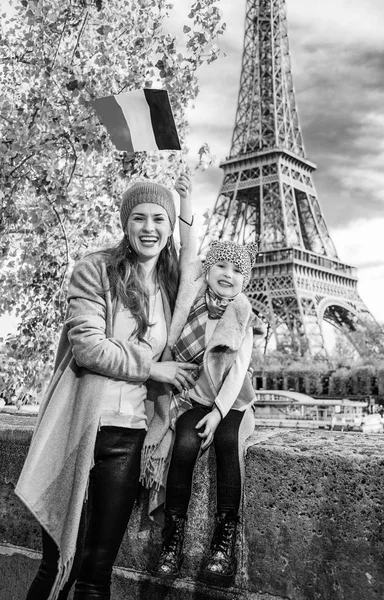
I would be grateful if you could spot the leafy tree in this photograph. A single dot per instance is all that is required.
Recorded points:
(60, 177)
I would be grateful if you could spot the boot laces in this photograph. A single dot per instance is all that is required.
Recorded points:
(224, 536)
(172, 540)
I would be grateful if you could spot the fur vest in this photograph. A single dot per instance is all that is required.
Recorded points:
(227, 337)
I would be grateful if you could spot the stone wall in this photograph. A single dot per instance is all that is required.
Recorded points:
(312, 525)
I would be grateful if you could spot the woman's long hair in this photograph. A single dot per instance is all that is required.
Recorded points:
(126, 280)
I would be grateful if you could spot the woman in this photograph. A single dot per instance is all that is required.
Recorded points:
(81, 475)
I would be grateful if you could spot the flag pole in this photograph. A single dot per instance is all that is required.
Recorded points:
(185, 167)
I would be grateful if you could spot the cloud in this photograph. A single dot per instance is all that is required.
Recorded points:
(338, 70)
(349, 20)
(362, 246)
(371, 289)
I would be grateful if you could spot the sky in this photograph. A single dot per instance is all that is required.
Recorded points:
(337, 58)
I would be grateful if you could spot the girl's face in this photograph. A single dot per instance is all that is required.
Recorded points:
(148, 229)
(225, 279)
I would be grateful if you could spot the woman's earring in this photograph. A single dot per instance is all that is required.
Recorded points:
(169, 244)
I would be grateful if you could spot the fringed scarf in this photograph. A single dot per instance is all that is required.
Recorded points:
(189, 348)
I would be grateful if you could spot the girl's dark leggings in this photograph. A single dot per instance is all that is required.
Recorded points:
(184, 455)
(113, 487)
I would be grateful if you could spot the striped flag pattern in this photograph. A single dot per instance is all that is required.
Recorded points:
(140, 120)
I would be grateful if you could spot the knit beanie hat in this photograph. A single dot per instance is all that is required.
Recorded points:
(243, 257)
(147, 192)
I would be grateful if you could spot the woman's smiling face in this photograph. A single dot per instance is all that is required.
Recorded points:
(225, 279)
(148, 229)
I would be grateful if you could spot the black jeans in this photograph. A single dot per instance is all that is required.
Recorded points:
(184, 455)
(113, 487)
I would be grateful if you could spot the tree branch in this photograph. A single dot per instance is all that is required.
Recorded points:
(65, 236)
(80, 34)
(21, 164)
(61, 37)
(74, 159)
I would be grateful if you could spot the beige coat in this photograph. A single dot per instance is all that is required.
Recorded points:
(54, 478)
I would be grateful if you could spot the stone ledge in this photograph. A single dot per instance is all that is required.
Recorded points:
(318, 502)
(311, 528)
(18, 566)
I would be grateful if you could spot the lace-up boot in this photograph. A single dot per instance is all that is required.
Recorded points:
(220, 567)
(169, 563)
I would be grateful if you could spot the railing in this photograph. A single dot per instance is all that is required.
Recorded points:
(304, 256)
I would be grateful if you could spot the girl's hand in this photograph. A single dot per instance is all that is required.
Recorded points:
(183, 185)
(178, 374)
(210, 423)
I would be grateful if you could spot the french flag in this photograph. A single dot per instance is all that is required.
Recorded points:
(140, 120)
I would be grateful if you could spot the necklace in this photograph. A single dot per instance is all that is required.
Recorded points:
(151, 310)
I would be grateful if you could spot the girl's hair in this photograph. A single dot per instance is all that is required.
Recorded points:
(125, 279)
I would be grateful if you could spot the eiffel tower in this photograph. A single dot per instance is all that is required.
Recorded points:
(268, 196)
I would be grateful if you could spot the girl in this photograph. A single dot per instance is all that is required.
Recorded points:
(213, 327)
(81, 476)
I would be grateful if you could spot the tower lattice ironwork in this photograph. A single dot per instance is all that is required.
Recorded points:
(268, 196)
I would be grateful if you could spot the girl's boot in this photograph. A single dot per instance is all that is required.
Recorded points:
(220, 567)
(169, 563)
